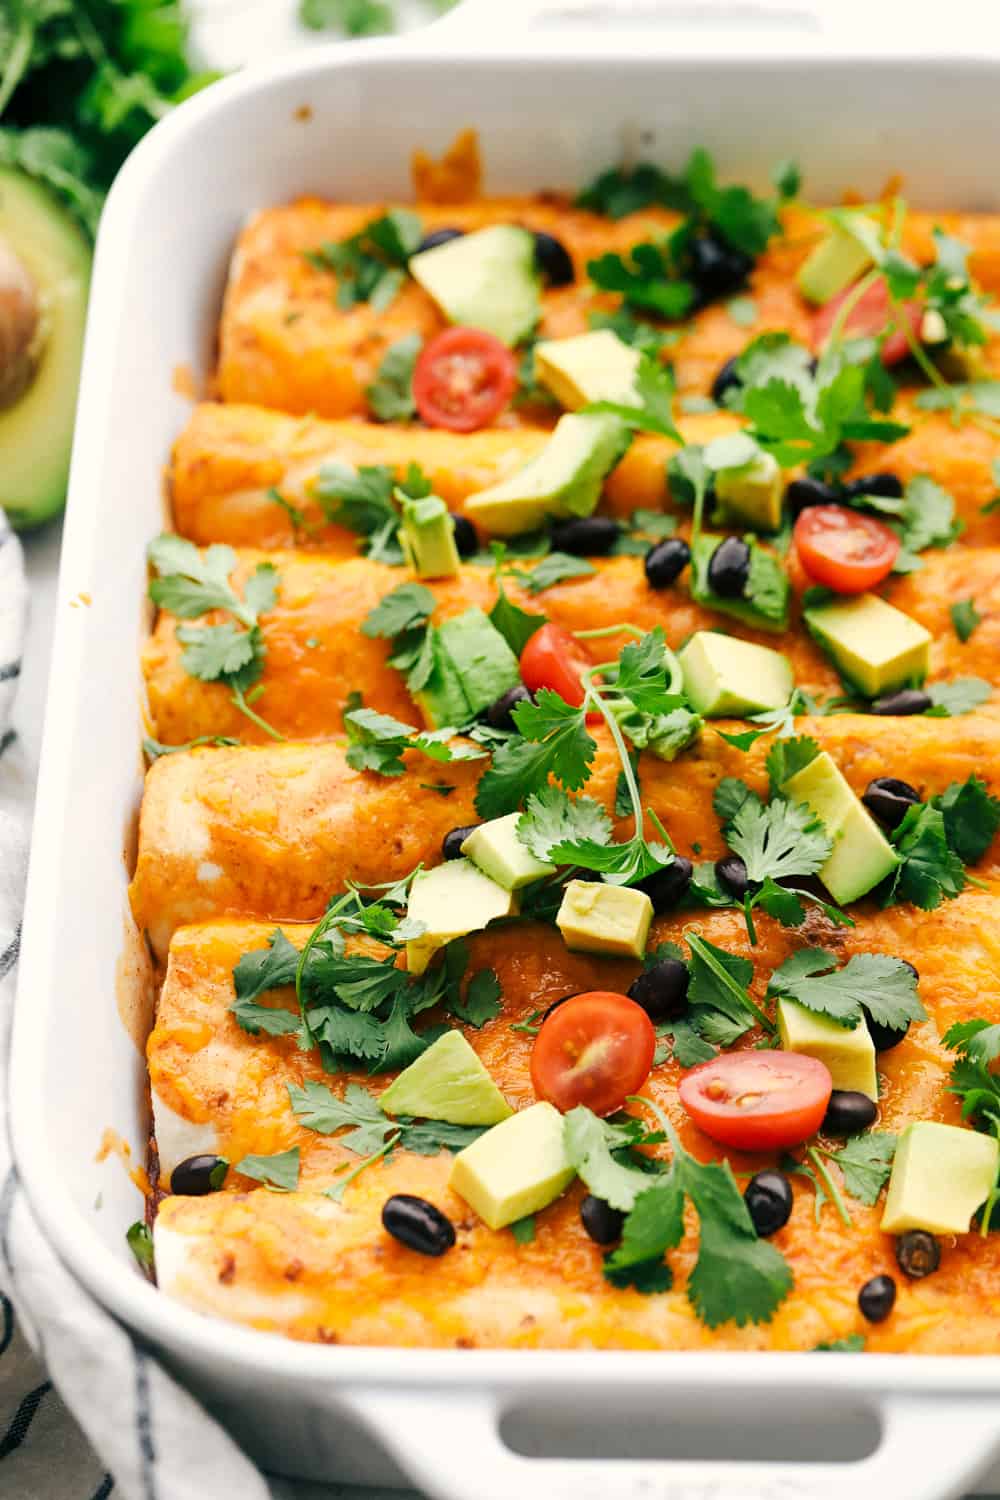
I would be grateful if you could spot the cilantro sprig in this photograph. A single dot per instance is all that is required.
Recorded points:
(370, 266)
(883, 986)
(975, 1084)
(937, 839)
(362, 501)
(191, 584)
(736, 1277)
(377, 743)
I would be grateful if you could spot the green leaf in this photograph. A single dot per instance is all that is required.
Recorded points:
(589, 1143)
(551, 818)
(781, 904)
(853, 1343)
(272, 1020)
(370, 265)
(654, 1226)
(689, 1048)
(730, 795)
(265, 969)
(652, 410)
(557, 567)
(737, 1277)
(977, 1040)
(390, 395)
(523, 1230)
(555, 743)
(139, 1239)
(214, 652)
(971, 818)
(866, 1162)
(482, 1001)
(516, 625)
(964, 618)
(928, 520)
(787, 757)
(280, 1171)
(642, 673)
(959, 696)
(52, 156)
(719, 1001)
(885, 986)
(317, 1108)
(787, 179)
(780, 840)
(361, 501)
(406, 606)
(646, 337)
(929, 869)
(647, 278)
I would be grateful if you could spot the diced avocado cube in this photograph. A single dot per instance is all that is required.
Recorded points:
(599, 918)
(451, 900)
(725, 676)
(754, 492)
(427, 535)
(514, 1169)
(838, 260)
(499, 853)
(447, 1082)
(861, 854)
(873, 644)
(849, 1054)
(597, 366)
(486, 279)
(940, 1175)
(564, 479)
(473, 666)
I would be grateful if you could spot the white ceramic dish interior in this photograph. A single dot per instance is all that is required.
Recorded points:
(489, 1424)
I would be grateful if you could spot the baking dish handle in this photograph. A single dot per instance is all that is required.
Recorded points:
(931, 1448)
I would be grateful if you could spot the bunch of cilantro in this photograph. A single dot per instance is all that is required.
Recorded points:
(81, 83)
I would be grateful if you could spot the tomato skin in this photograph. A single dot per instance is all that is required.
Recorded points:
(758, 1101)
(554, 658)
(869, 317)
(843, 548)
(464, 379)
(595, 1049)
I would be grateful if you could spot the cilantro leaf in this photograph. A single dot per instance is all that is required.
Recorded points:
(264, 969)
(648, 278)
(390, 395)
(866, 1162)
(589, 1143)
(959, 696)
(971, 818)
(729, 796)
(654, 1226)
(516, 625)
(555, 743)
(929, 869)
(317, 1108)
(213, 652)
(139, 1239)
(401, 609)
(884, 986)
(272, 1020)
(720, 1008)
(523, 1230)
(737, 1277)
(977, 1040)
(777, 841)
(378, 741)
(652, 408)
(646, 337)
(280, 1171)
(964, 618)
(370, 265)
(482, 1001)
(787, 757)
(552, 818)
(852, 1343)
(362, 501)
(642, 673)
(927, 520)
(557, 567)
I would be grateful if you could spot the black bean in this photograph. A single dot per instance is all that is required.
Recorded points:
(666, 561)
(197, 1175)
(729, 567)
(802, 493)
(439, 237)
(451, 844)
(877, 1298)
(417, 1224)
(662, 990)
(918, 1253)
(498, 715)
(848, 1112)
(668, 885)
(553, 259)
(906, 701)
(889, 486)
(716, 268)
(888, 799)
(466, 540)
(602, 1222)
(726, 380)
(586, 536)
(731, 874)
(768, 1197)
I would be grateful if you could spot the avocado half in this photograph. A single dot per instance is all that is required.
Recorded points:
(44, 277)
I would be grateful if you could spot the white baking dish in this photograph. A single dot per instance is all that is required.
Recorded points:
(550, 112)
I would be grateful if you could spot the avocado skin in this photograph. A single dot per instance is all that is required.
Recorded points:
(36, 431)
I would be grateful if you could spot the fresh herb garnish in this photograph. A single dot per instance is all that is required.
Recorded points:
(884, 986)
(155, 748)
(976, 1086)
(960, 695)
(736, 1277)
(377, 743)
(279, 1172)
(191, 584)
(139, 1239)
(370, 266)
(971, 817)
(964, 618)
(852, 1343)
(555, 568)
(362, 501)
(866, 1162)
(929, 869)
(645, 337)
(403, 608)
(523, 1230)
(390, 395)
(652, 408)
(317, 1108)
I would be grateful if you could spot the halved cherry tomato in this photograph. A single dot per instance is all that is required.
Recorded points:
(758, 1101)
(464, 379)
(555, 659)
(870, 316)
(596, 1049)
(843, 548)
